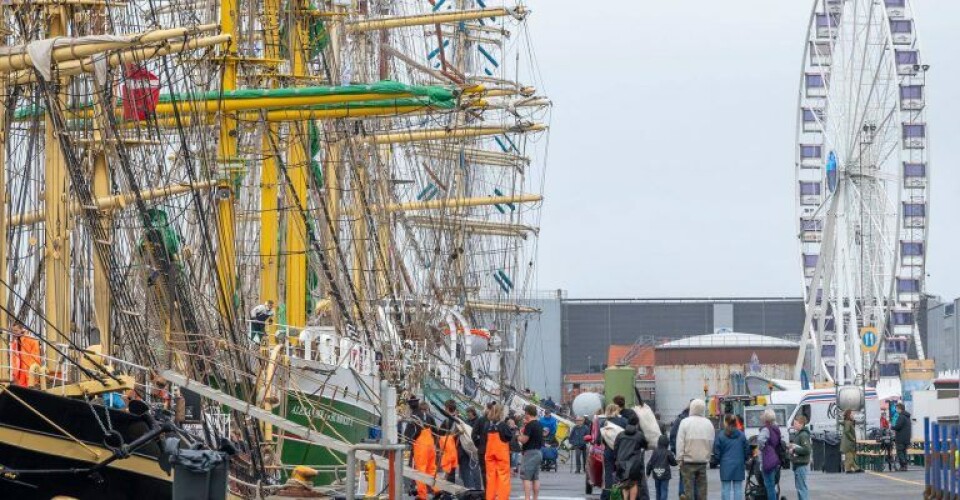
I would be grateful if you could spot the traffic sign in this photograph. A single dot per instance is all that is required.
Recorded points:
(869, 338)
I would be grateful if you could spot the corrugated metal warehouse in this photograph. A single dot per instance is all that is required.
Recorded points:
(703, 365)
(590, 326)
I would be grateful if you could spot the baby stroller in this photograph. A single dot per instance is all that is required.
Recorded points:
(754, 488)
(550, 455)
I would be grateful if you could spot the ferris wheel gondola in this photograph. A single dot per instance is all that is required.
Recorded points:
(862, 187)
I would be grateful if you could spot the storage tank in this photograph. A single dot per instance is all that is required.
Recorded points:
(704, 364)
(620, 381)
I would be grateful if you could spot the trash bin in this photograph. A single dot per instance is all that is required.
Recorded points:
(826, 452)
(199, 474)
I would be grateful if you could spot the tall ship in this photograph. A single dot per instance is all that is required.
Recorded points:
(238, 221)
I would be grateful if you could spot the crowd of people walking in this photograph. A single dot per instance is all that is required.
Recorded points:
(483, 452)
(480, 452)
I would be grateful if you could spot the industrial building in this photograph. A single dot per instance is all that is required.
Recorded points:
(707, 365)
(574, 336)
(540, 349)
(943, 325)
(590, 326)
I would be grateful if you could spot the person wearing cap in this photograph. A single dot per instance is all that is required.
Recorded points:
(300, 484)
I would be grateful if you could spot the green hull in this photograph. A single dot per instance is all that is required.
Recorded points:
(336, 419)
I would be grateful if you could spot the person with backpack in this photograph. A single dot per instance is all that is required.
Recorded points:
(800, 450)
(613, 423)
(769, 442)
(730, 452)
(629, 448)
(659, 466)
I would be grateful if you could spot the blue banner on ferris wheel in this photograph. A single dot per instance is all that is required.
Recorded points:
(832, 171)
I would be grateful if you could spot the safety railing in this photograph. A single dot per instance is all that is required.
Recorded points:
(941, 449)
(319, 344)
(65, 370)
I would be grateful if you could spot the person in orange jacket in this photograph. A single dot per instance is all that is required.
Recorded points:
(24, 353)
(419, 431)
(449, 435)
(499, 434)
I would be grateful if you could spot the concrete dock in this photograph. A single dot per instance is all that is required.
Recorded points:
(565, 485)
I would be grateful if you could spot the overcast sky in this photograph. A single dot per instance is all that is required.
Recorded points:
(671, 167)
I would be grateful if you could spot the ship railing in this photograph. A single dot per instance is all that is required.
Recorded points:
(320, 344)
(264, 329)
(66, 371)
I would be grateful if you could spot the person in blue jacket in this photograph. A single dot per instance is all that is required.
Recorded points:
(549, 422)
(730, 451)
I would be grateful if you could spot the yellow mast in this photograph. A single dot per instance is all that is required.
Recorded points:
(269, 215)
(296, 269)
(113, 202)
(57, 298)
(227, 159)
(4, 319)
(102, 301)
(392, 22)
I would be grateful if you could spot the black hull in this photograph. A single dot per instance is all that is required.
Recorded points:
(117, 484)
(27, 442)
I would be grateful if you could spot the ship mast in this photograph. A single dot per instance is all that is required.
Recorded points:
(296, 165)
(269, 209)
(102, 301)
(229, 168)
(57, 298)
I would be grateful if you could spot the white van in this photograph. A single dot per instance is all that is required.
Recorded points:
(820, 408)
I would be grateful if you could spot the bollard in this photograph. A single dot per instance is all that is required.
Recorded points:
(351, 479)
(371, 479)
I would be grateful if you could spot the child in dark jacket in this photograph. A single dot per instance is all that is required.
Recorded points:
(659, 467)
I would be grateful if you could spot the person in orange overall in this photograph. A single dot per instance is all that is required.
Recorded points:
(449, 434)
(24, 353)
(499, 435)
(420, 431)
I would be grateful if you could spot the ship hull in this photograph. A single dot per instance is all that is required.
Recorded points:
(344, 417)
(29, 442)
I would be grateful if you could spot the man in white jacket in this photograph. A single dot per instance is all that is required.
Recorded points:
(694, 447)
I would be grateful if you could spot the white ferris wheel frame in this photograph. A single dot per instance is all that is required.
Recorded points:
(859, 236)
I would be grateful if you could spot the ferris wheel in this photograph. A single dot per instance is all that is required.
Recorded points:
(862, 188)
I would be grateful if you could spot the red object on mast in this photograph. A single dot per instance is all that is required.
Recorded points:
(141, 93)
